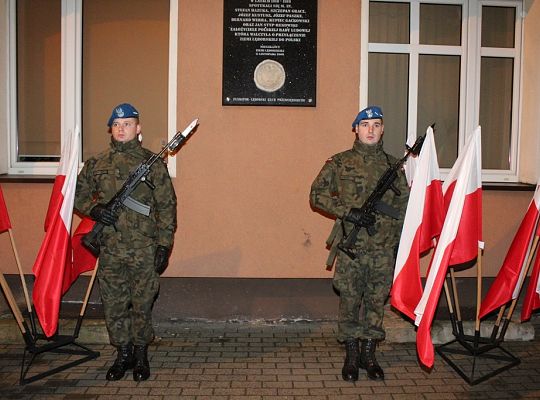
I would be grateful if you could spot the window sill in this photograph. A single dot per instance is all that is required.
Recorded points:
(6, 178)
(509, 186)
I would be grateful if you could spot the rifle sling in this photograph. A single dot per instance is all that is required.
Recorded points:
(332, 242)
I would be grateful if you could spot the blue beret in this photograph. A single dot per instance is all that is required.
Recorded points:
(123, 110)
(371, 112)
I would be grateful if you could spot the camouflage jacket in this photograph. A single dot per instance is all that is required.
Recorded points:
(102, 176)
(346, 181)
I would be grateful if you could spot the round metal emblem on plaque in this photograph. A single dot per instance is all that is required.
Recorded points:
(269, 75)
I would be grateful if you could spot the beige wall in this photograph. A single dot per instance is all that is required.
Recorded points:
(3, 89)
(530, 145)
(249, 248)
(244, 177)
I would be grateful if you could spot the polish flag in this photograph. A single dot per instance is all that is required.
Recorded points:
(467, 194)
(508, 281)
(531, 302)
(55, 253)
(423, 222)
(5, 223)
(469, 235)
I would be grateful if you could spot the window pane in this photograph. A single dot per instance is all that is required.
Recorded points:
(498, 26)
(388, 88)
(38, 80)
(125, 59)
(388, 22)
(438, 102)
(496, 111)
(440, 24)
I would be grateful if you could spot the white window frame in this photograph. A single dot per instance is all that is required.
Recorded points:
(470, 53)
(71, 82)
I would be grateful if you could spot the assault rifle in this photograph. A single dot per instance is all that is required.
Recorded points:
(123, 199)
(374, 203)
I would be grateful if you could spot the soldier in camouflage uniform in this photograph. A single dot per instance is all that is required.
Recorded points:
(134, 248)
(340, 189)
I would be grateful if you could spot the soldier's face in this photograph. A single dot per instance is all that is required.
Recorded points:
(370, 131)
(125, 129)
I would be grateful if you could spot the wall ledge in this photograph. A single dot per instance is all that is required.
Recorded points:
(509, 186)
(7, 178)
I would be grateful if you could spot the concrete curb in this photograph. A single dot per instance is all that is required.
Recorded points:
(398, 330)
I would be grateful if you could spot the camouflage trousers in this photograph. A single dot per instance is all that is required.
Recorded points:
(363, 285)
(128, 285)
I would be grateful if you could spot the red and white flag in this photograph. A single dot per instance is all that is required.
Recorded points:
(509, 279)
(467, 194)
(5, 223)
(55, 253)
(531, 302)
(423, 222)
(469, 236)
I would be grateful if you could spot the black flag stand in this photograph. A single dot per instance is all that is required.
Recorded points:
(473, 357)
(477, 358)
(59, 344)
(31, 336)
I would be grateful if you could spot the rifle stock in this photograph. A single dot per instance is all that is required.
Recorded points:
(92, 240)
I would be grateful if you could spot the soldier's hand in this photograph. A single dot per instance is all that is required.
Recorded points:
(359, 217)
(101, 213)
(161, 259)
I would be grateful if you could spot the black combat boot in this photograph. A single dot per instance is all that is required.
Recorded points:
(349, 372)
(141, 370)
(369, 362)
(123, 362)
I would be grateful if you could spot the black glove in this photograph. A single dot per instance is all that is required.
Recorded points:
(161, 259)
(359, 217)
(102, 214)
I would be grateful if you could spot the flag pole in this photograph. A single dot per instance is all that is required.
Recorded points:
(13, 304)
(500, 315)
(450, 307)
(534, 248)
(478, 288)
(497, 323)
(454, 288)
(85, 301)
(28, 339)
(23, 281)
(456, 300)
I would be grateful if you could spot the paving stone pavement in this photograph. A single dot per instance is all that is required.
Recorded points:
(252, 361)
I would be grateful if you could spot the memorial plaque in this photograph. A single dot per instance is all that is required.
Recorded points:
(269, 52)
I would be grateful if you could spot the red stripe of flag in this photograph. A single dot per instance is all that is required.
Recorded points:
(5, 223)
(531, 302)
(83, 259)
